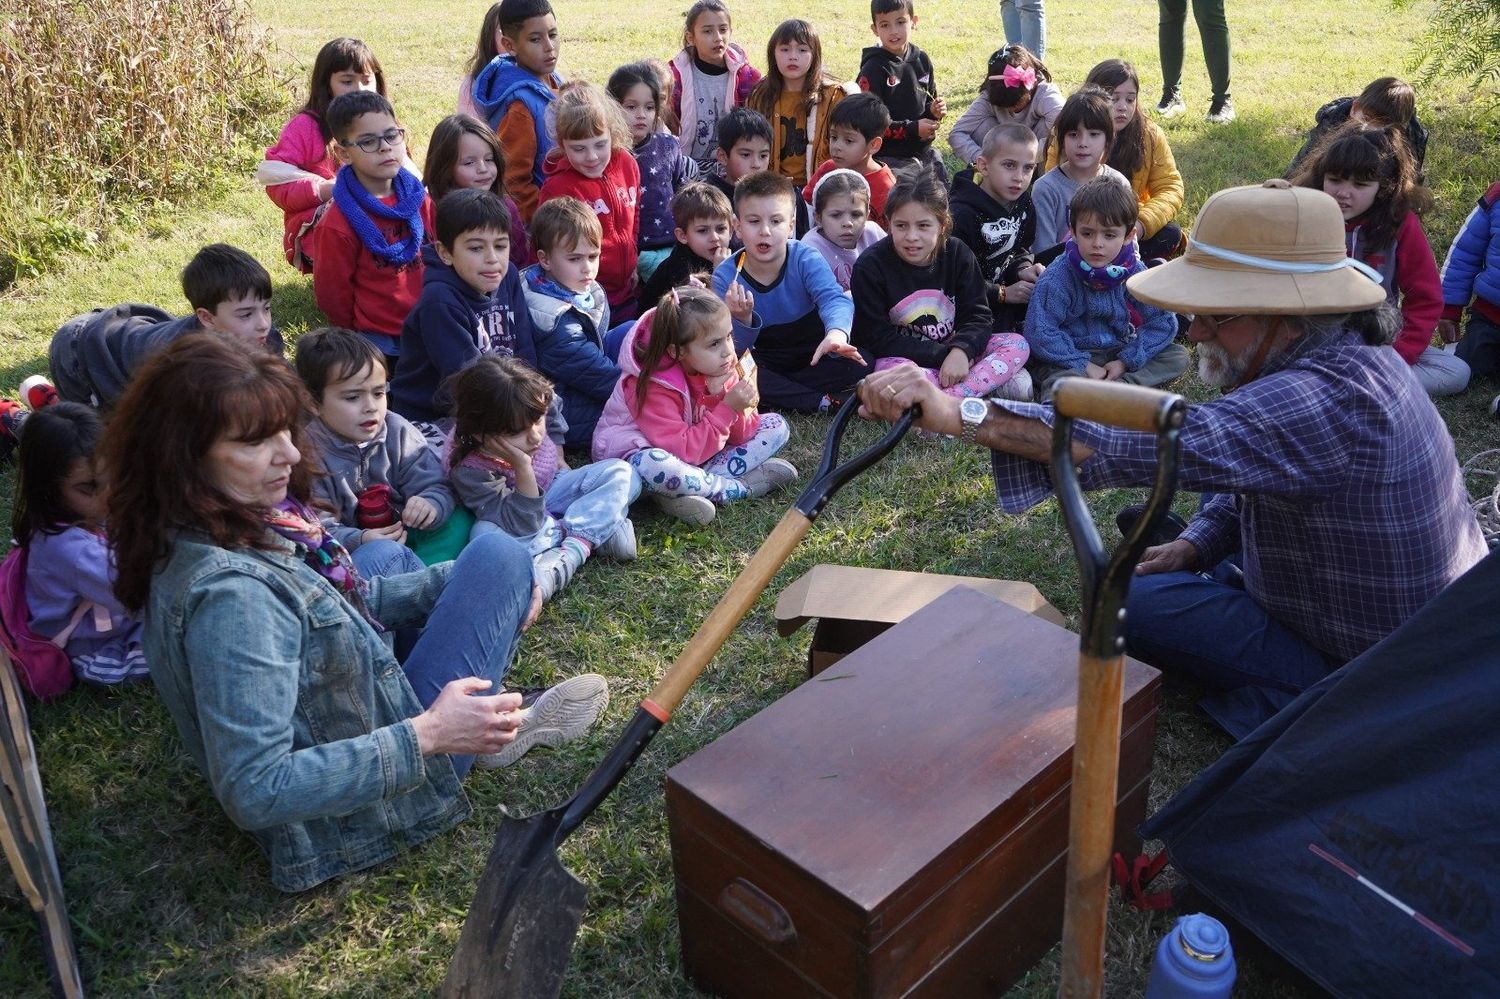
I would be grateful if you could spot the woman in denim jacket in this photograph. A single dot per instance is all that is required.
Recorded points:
(265, 643)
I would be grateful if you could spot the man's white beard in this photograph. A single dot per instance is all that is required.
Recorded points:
(1218, 368)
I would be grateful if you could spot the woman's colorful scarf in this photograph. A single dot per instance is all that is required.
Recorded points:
(360, 206)
(1111, 274)
(324, 555)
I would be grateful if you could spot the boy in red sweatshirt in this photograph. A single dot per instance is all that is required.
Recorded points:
(369, 243)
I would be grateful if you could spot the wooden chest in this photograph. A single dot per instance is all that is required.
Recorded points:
(896, 826)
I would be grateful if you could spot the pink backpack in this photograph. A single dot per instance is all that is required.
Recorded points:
(41, 665)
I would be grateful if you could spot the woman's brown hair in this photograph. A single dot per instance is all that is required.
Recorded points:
(204, 388)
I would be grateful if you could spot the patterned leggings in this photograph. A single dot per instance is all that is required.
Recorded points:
(719, 478)
(1004, 355)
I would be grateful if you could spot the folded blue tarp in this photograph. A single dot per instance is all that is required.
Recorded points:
(1357, 832)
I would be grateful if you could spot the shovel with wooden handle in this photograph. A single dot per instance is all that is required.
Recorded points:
(527, 909)
(1105, 582)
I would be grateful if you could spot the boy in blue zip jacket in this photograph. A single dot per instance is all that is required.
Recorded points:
(471, 304)
(569, 313)
(1081, 320)
(1471, 280)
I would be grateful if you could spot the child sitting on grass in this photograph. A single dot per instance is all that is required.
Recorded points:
(369, 243)
(664, 167)
(464, 153)
(376, 466)
(1017, 90)
(797, 96)
(841, 206)
(804, 360)
(703, 222)
(919, 299)
(594, 165)
(472, 304)
(744, 149)
(854, 136)
(59, 523)
(711, 76)
(993, 216)
(570, 313)
(1082, 138)
(1082, 321)
(511, 476)
(298, 170)
(684, 414)
(513, 91)
(901, 75)
(1384, 103)
(93, 356)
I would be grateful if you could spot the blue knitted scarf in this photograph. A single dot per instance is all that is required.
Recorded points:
(358, 205)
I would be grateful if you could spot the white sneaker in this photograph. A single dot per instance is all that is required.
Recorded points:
(695, 510)
(620, 545)
(553, 568)
(1017, 389)
(1220, 112)
(1171, 104)
(563, 713)
(769, 475)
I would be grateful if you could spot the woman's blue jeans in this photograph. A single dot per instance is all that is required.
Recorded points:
(474, 627)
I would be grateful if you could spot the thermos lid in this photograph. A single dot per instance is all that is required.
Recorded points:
(1203, 937)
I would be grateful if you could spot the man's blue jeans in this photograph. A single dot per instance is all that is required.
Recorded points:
(474, 627)
(1205, 626)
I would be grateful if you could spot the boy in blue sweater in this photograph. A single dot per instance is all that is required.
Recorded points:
(569, 313)
(472, 303)
(1081, 321)
(514, 90)
(805, 362)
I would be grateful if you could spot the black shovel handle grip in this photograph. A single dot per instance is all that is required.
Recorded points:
(830, 477)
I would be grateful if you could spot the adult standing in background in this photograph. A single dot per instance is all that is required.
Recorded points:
(1213, 28)
(1025, 22)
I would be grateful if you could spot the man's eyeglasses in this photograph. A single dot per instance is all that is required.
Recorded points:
(1212, 323)
(372, 143)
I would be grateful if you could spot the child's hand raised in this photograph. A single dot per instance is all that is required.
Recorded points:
(419, 513)
(837, 342)
(955, 368)
(741, 303)
(743, 395)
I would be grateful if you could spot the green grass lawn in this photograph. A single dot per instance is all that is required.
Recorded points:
(167, 897)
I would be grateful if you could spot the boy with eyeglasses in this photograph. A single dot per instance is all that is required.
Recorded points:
(368, 243)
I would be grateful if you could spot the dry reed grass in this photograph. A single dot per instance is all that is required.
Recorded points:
(110, 107)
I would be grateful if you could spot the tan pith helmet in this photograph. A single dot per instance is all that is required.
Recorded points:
(1268, 249)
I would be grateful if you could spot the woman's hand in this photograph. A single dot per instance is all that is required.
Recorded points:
(466, 721)
(419, 513)
(741, 303)
(395, 532)
(535, 610)
(1174, 556)
(837, 342)
(955, 368)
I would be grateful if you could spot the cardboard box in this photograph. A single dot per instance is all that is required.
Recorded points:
(854, 604)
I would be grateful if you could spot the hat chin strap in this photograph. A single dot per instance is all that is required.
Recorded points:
(1283, 266)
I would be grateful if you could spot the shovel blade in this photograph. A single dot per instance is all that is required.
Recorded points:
(519, 933)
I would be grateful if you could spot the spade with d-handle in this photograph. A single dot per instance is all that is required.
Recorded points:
(1101, 661)
(519, 933)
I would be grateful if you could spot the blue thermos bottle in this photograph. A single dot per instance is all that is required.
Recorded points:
(1193, 961)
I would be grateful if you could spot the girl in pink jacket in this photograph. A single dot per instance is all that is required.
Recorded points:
(297, 172)
(683, 414)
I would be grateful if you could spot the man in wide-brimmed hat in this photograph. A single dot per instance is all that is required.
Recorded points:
(1332, 479)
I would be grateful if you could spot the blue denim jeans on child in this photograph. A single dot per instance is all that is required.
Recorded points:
(588, 503)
